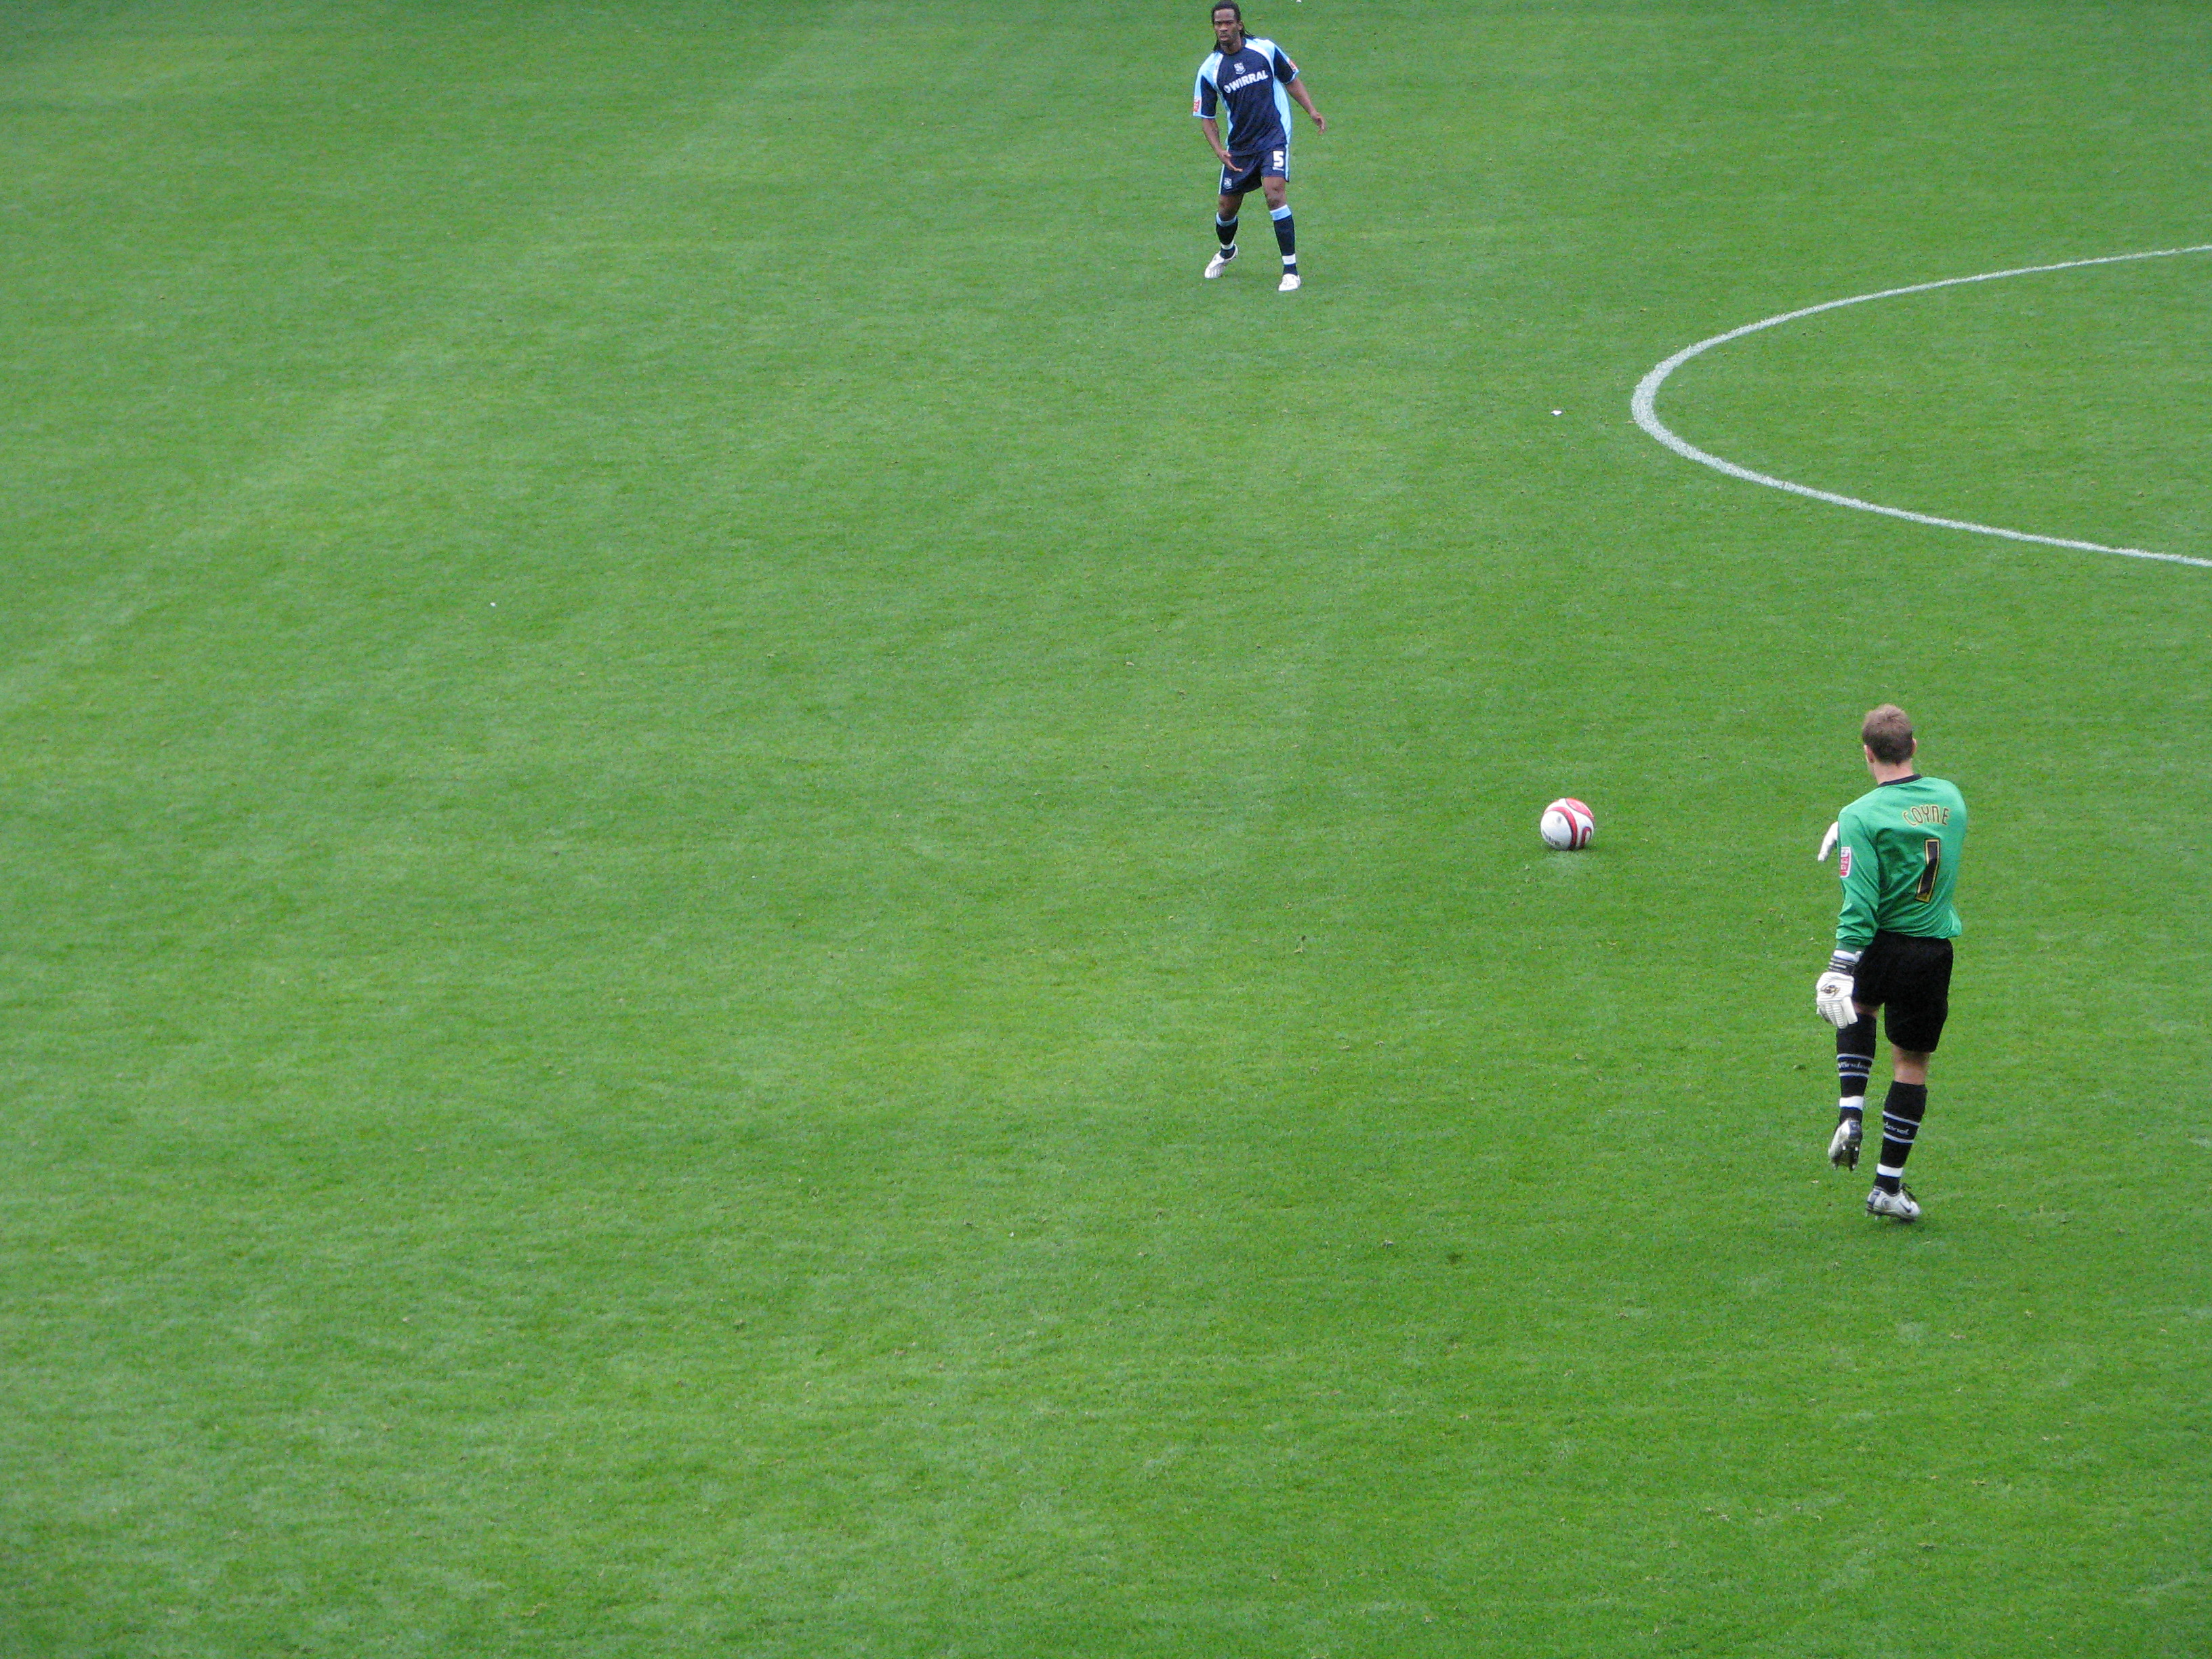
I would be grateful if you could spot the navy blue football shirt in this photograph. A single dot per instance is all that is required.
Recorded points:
(1247, 86)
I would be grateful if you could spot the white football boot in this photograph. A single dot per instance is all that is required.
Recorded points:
(1900, 1204)
(1844, 1149)
(1289, 284)
(1220, 262)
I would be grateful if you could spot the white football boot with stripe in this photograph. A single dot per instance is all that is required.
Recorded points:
(1289, 284)
(1220, 262)
(1844, 1148)
(1900, 1204)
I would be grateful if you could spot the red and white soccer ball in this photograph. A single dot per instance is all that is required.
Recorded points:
(1566, 825)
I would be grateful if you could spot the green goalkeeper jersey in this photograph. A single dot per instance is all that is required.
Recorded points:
(1900, 844)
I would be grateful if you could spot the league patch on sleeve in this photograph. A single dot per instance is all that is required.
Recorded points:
(1844, 865)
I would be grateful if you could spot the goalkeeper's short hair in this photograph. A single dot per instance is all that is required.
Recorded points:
(1887, 734)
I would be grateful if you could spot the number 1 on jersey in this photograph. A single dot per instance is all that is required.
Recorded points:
(1933, 857)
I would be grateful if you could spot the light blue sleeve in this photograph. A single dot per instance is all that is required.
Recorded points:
(1206, 96)
(1284, 72)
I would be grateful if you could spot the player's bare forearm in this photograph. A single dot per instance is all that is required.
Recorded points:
(1212, 128)
(1306, 103)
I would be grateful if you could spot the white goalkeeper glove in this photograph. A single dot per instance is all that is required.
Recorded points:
(1831, 992)
(1827, 846)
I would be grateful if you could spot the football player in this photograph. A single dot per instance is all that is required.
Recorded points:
(1249, 83)
(1899, 844)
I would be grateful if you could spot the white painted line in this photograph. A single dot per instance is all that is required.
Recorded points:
(1644, 406)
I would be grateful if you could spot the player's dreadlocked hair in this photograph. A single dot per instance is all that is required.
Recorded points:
(1887, 734)
(1227, 6)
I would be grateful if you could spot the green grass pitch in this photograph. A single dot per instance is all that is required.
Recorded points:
(758, 896)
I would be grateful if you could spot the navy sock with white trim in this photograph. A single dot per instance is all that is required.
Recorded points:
(1854, 1061)
(1901, 1113)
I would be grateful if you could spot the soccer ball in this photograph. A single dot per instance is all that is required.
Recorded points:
(1566, 825)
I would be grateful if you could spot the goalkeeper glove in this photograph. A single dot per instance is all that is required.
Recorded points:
(1831, 992)
(1827, 845)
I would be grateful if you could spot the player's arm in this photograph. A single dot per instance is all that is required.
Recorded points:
(1206, 104)
(1855, 922)
(1306, 102)
(1861, 871)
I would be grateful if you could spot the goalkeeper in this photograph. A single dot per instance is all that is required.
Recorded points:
(1899, 861)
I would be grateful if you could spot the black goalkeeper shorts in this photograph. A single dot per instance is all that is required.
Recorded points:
(1909, 979)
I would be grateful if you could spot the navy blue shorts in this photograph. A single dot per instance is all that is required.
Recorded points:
(1244, 172)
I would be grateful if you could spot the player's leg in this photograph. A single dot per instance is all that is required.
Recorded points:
(1237, 179)
(1902, 1109)
(1275, 186)
(1224, 228)
(1918, 1005)
(1854, 1046)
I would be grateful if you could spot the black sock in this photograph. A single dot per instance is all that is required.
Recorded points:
(1900, 1127)
(1286, 237)
(1854, 1059)
(1225, 230)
